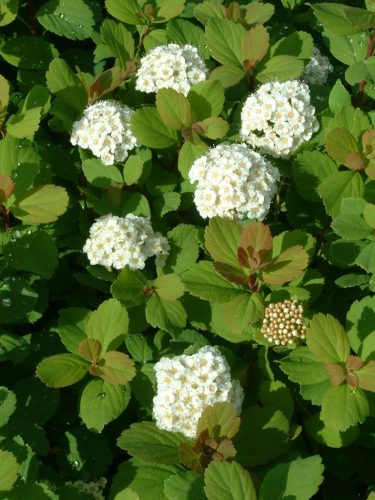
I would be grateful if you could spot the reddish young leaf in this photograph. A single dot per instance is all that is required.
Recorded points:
(336, 372)
(90, 349)
(286, 266)
(6, 187)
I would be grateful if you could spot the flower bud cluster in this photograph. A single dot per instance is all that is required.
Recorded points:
(124, 241)
(283, 322)
(187, 384)
(105, 129)
(95, 488)
(317, 70)
(278, 118)
(171, 66)
(233, 182)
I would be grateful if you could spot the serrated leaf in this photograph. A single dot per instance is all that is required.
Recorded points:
(256, 43)
(336, 187)
(8, 403)
(351, 227)
(127, 11)
(28, 52)
(186, 485)
(146, 441)
(174, 109)
(286, 266)
(115, 367)
(338, 97)
(243, 310)
(72, 327)
(255, 245)
(298, 44)
(119, 40)
(342, 147)
(303, 367)
(150, 130)
(168, 315)
(366, 258)
(108, 324)
(184, 248)
(106, 82)
(101, 402)
(280, 68)
(298, 479)
(167, 9)
(222, 239)
(8, 11)
(90, 349)
(66, 85)
(62, 370)
(259, 12)
(310, 168)
(202, 281)
(225, 40)
(366, 376)
(41, 204)
(169, 287)
(227, 75)
(226, 481)
(343, 407)
(129, 287)
(220, 420)
(206, 99)
(327, 340)
(327, 435)
(369, 214)
(342, 19)
(213, 128)
(8, 470)
(361, 329)
(100, 175)
(72, 19)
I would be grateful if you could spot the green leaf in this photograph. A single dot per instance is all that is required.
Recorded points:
(267, 430)
(298, 479)
(366, 376)
(286, 266)
(202, 281)
(26, 121)
(188, 154)
(186, 485)
(8, 11)
(340, 145)
(184, 32)
(90, 349)
(66, 85)
(106, 82)
(342, 19)
(8, 470)
(108, 324)
(146, 441)
(8, 403)
(351, 227)
(213, 128)
(101, 402)
(206, 99)
(303, 367)
(310, 168)
(207, 9)
(119, 40)
(220, 420)
(28, 52)
(127, 11)
(4, 97)
(41, 204)
(329, 436)
(343, 407)
(366, 258)
(336, 187)
(348, 49)
(118, 368)
(280, 68)
(150, 130)
(338, 97)
(369, 214)
(133, 169)
(327, 340)
(62, 370)
(361, 327)
(169, 287)
(174, 109)
(129, 287)
(72, 19)
(100, 175)
(275, 393)
(226, 481)
(258, 12)
(256, 45)
(167, 315)
(184, 248)
(298, 44)
(361, 70)
(222, 239)
(243, 310)
(354, 119)
(167, 9)
(227, 75)
(225, 40)
(72, 327)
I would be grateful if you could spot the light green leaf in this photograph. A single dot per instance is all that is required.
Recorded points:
(8, 470)
(100, 175)
(361, 327)
(167, 315)
(222, 239)
(228, 481)
(220, 420)
(338, 97)
(207, 9)
(41, 204)
(150, 130)
(286, 266)
(108, 324)
(133, 169)
(280, 68)
(8, 11)
(118, 368)
(361, 70)
(184, 248)
(342, 19)
(328, 435)
(127, 11)
(366, 258)
(146, 441)
(213, 128)
(174, 109)
(202, 281)
(119, 40)
(101, 402)
(347, 49)
(72, 19)
(353, 119)
(186, 485)
(8, 403)
(243, 310)
(343, 407)
(206, 99)
(334, 188)
(62, 370)
(327, 339)
(72, 327)
(299, 479)
(303, 367)
(129, 287)
(24, 123)
(169, 287)
(188, 154)
(225, 40)
(167, 9)
(66, 85)
(258, 12)
(298, 44)
(351, 227)
(256, 45)
(227, 75)
(184, 32)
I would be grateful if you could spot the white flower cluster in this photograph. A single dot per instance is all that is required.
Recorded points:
(94, 487)
(171, 66)
(187, 384)
(105, 129)
(233, 182)
(124, 241)
(278, 117)
(317, 70)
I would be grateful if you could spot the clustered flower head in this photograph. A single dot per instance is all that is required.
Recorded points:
(124, 241)
(187, 384)
(283, 322)
(171, 66)
(105, 129)
(233, 182)
(278, 118)
(94, 487)
(317, 70)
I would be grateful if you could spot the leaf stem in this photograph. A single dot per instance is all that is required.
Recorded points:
(32, 18)
(5, 216)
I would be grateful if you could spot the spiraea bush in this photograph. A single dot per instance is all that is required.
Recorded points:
(187, 245)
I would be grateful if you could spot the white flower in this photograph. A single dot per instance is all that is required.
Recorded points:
(233, 182)
(204, 378)
(278, 118)
(95, 488)
(104, 128)
(124, 241)
(317, 70)
(171, 66)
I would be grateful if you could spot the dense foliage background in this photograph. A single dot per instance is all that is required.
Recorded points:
(78, 342)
